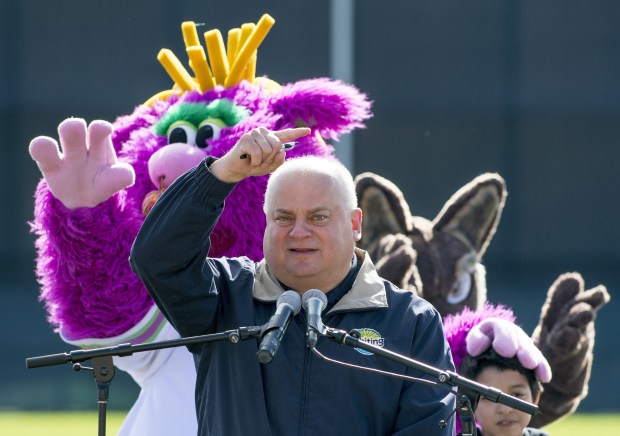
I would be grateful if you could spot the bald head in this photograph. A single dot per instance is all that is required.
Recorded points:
(300, 167)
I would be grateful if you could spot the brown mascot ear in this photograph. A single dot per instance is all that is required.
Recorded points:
(473, 212)
(385, 209)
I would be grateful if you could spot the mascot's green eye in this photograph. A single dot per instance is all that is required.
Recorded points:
(181, 132)
(209, 129)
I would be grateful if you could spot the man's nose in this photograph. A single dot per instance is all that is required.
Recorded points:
(300, 229)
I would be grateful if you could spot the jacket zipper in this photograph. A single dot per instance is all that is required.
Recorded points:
(305, 393)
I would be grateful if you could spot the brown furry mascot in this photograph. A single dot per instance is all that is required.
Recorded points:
(441, 261)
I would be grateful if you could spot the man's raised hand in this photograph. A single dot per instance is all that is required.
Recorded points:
(264, 150)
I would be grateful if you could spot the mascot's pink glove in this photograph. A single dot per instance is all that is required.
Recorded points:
(87, 171)
(508, 340)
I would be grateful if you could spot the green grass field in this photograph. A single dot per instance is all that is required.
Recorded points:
(58, 423)
(583, 424)
(86, 423)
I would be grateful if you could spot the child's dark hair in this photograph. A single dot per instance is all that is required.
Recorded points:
(472, 366)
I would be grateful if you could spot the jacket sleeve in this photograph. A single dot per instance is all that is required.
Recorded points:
(170, 251)
(423, 406)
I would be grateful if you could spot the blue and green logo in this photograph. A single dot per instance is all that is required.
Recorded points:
(370, 336)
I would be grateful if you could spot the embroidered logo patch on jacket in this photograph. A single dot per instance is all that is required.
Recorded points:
(370, 336)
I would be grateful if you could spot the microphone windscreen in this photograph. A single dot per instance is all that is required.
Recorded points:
(291, 299)
(315, 293)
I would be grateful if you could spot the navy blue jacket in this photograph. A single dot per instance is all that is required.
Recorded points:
(297, 393)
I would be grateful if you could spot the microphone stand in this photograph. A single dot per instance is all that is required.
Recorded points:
(103, 367)
(444, 378)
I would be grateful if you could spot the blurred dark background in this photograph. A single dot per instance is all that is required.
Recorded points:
(528, 89)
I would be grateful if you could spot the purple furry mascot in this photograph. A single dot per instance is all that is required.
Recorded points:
(98, 184)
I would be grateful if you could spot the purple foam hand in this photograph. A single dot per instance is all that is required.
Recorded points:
(508, 340)
(84, 170)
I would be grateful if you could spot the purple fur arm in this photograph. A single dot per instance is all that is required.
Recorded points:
(87, 285)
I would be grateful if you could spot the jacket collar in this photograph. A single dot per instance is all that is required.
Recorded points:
(368, 290)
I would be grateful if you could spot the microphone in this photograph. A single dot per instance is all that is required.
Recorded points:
(287, 306)
(313, 302)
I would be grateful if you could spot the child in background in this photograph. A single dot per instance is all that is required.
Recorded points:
(509, 376)
(487, 348)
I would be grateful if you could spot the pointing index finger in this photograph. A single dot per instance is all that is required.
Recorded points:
(288, 135)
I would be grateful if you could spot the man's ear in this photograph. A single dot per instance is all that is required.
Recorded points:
(356, 224)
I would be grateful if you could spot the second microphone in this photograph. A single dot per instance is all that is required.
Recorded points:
(287, 306)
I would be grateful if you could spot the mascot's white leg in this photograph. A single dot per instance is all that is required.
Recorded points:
(167, 379)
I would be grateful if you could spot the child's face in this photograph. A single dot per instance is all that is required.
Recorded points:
(497, 419)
